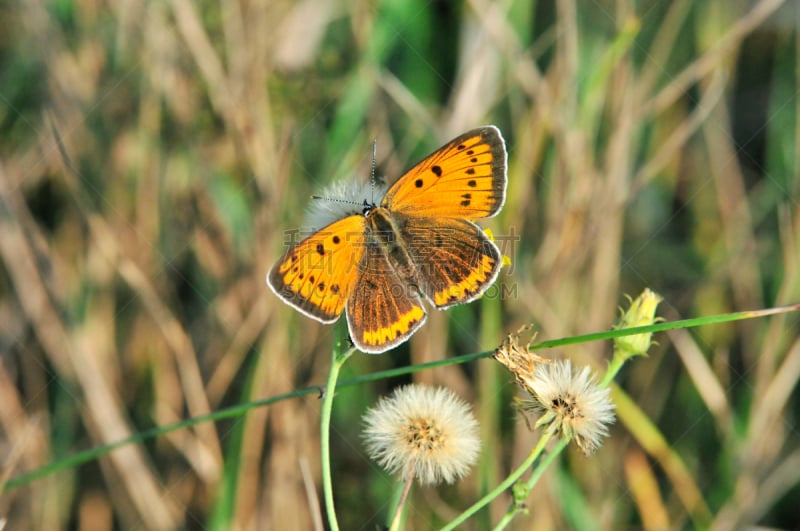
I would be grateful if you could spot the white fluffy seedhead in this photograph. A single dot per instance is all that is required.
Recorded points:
(342, 199)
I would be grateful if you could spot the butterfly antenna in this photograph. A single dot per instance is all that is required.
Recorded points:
(372, 185)
(374, 163)
(335, 200)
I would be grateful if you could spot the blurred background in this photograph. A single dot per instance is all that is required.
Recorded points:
(153, 155)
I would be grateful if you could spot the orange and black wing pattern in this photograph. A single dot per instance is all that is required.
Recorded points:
(465, 179)
(455, 260)
(383, 311)
(318, 274)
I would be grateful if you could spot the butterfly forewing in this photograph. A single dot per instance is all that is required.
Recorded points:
(318, 274)
(464, 179)
(382, 311)
(455, 261)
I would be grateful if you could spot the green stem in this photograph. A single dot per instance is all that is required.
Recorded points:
(338, 359)
(499, 489)
(398, 513)
(617, 361)
(537, 474)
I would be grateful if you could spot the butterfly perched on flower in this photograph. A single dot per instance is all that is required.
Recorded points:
(380, 259)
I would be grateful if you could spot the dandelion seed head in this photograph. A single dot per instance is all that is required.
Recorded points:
(427, 431)
(573, 405)
(341, 199)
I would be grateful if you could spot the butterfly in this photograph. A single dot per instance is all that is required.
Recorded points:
(379, 261)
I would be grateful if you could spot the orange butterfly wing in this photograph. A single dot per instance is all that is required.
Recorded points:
(382, 310)
(464, 179)
(454, 259)
(318, 274)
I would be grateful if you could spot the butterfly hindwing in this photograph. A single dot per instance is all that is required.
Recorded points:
(318, 274)
(382, 310)
(466, 179)
(454, 259)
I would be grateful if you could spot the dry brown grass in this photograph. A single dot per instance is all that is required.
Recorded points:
(132, 288)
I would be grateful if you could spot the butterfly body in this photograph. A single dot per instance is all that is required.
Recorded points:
(388, 232)
(419, 242)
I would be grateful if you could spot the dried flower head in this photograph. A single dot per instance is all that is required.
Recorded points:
(425, 431)
(572, 403)
(521, 361)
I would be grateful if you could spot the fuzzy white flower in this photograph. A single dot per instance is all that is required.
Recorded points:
(425, 431)
(341, 199)
(572, 403)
